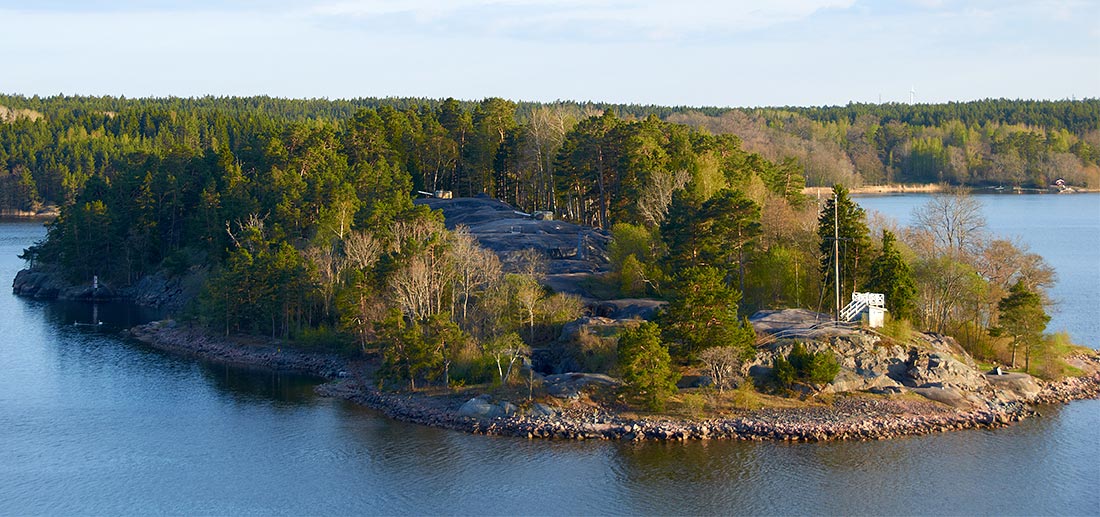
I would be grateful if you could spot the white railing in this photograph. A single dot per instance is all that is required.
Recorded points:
(852, 310)
(872, 299)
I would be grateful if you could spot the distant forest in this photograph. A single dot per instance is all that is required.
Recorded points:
(527, 153)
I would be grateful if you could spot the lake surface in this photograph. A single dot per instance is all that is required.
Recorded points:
(91, 423)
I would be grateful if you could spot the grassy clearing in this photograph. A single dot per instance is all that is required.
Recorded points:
(1050, 362)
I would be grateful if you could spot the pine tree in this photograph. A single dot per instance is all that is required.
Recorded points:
(646, 366)
(1022, 319)
(703, 314)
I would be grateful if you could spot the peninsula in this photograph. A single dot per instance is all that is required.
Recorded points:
(567, 271)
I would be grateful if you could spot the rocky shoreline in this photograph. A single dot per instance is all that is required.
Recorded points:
(847, 418)
(158, 289)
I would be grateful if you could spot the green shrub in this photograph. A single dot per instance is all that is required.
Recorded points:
(323, 338)
(822, 368)
(899, 329)
(783, 371)
(694, 404)
(592, 352)
(473, 369)
(632, 277)
(645, 365)
(801, 365)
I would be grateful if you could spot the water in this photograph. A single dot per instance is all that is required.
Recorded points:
(1064, 229)
(91, 423)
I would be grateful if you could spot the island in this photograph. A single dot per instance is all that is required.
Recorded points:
(545, 271)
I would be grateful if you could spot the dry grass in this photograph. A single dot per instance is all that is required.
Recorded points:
(1050, 363)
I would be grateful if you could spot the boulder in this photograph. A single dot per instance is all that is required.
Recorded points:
(694, 381)
(570, 385)
(950, 396)
(505, 409)
(848, 380)
(539, 409)
(481, 407)
(630, 308)
(477, 407)
(591, 324)
(1014, 386)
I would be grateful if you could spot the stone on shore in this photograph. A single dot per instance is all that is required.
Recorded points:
(1015, 386)
(950, 396)
(570, 385)
(482, 407)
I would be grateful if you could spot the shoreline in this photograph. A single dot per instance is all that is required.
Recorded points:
(934, 188)
(29, 215)
(852, 417)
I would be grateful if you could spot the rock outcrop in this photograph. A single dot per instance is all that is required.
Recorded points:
(568, 248)
(930, 365)
(156, 290)
(48, 283)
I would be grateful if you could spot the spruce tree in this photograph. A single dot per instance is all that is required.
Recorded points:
(892, 276)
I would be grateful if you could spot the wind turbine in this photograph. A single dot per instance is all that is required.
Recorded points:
(912, 94)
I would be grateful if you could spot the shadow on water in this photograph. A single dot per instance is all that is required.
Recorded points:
(107, 316)
(258, 385)
(110, 320)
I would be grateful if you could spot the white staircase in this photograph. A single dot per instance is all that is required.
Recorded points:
(860, 303)
(852, 310)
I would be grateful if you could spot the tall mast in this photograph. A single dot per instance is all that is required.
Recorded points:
(836, 252)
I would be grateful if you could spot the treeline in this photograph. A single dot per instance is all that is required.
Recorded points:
(990, 143)
(50, 146)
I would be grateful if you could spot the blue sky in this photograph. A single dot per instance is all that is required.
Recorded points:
(685, 52)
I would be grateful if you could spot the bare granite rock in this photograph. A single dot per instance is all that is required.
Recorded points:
(568, 247)
(936, 369)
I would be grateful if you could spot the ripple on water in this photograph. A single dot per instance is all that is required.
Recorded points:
(93, 424)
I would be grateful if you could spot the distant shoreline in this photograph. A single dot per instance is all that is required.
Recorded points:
(932, 188)
(849, 418)
(43, 215)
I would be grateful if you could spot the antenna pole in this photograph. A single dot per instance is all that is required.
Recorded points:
(836, 251)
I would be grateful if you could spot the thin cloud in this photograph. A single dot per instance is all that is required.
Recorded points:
(598, 17)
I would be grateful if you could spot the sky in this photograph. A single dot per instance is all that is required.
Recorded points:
(676, 52)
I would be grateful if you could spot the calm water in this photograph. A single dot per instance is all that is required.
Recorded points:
(1064, 229)
(93, 424)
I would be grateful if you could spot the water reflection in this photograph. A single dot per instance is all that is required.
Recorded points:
(86, 416)
(252, 385)
(101, 316)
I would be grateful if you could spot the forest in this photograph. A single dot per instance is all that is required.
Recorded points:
(299, 214)
(50, 146)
